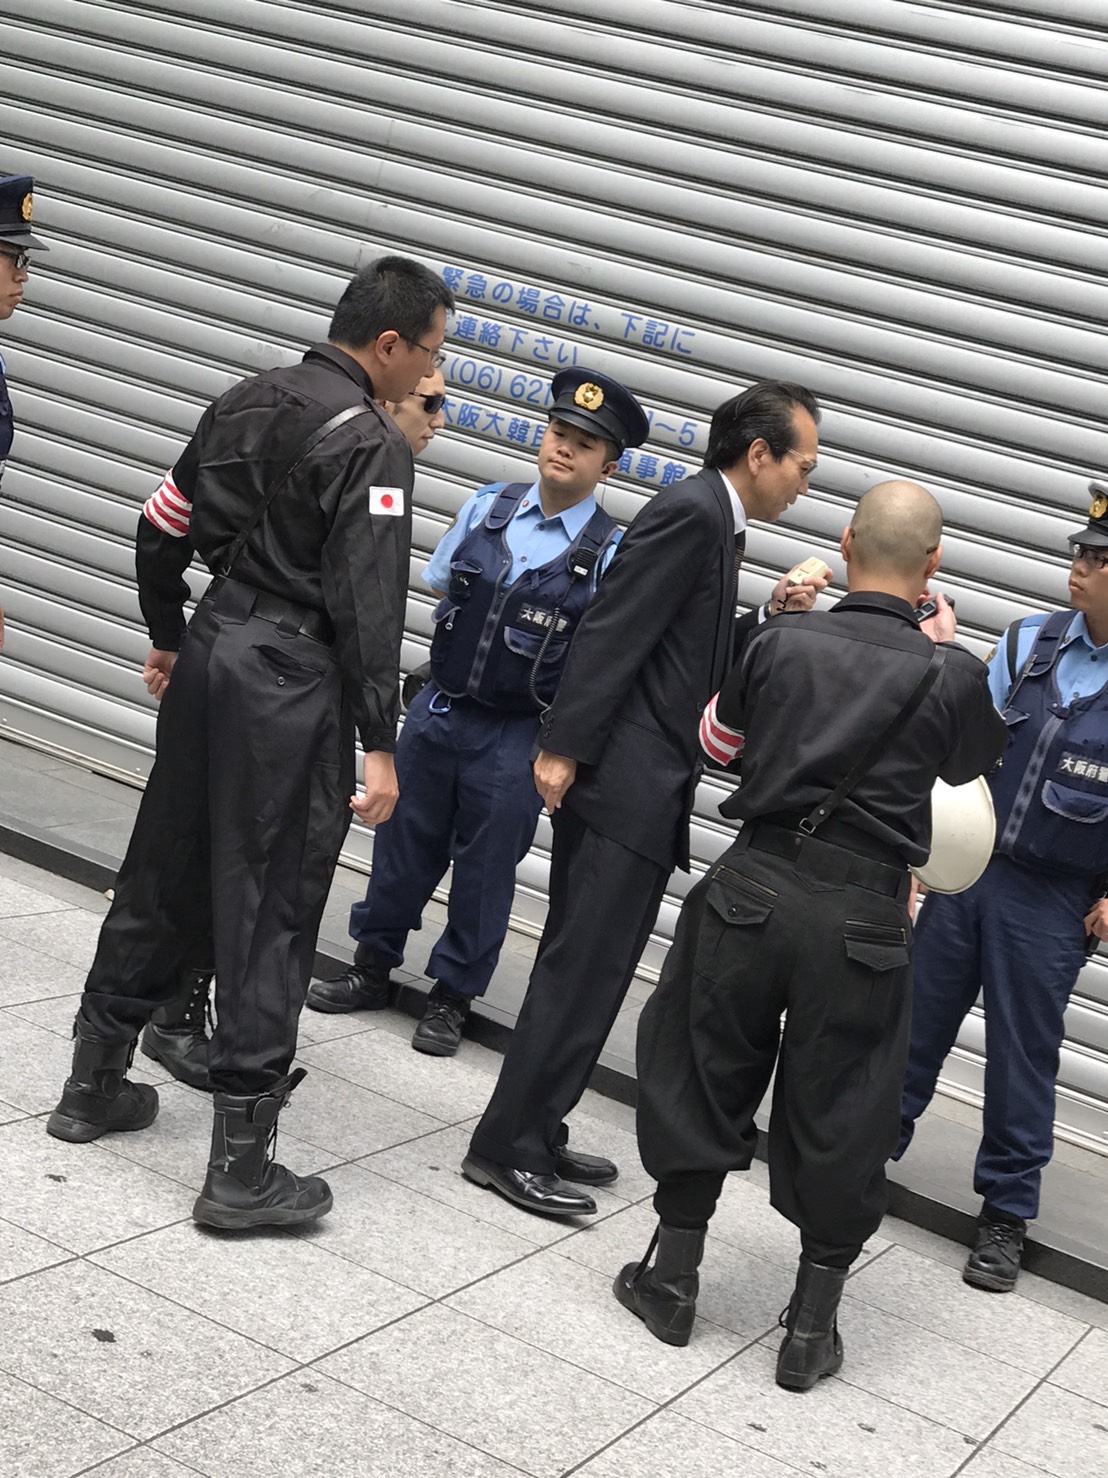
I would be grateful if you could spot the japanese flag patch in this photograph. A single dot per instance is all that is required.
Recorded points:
(387, 500)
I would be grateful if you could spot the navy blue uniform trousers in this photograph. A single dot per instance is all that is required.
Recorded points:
(1017, 937)
(467, 797)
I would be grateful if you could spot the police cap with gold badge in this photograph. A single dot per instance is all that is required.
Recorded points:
(600, 405)
(1096, 533)
(17, 205)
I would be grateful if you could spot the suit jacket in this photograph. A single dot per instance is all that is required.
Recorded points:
(652, 648)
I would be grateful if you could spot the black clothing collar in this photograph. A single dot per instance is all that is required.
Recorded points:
(343, 361)
(877, 600)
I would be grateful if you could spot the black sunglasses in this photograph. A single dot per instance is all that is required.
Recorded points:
(20, 260)
(432, 404)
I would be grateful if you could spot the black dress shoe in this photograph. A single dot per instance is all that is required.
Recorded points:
(365, 986)
(545, 1194)
(439, 1033)
(994, 1263)
(584, 1169)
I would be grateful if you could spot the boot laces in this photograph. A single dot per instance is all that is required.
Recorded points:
(997, 1234)
(198, 1007)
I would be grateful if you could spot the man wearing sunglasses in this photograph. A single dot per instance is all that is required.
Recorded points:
(1022, 934)
(420, 415)
(515, 574)
(16, 243)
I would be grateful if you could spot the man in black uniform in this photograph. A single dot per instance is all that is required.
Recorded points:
(807, 914)
(16, 241)
(620, 746)
(299, 486)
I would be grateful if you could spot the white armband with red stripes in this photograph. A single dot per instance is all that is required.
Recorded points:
(719, 742)
(168, 510)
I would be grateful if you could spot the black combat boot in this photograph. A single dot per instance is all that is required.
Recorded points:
(811, 1347)
(98, 1098)
(175, 1035)
(664, 1296)
(364, 986)
(439, 1032)
(244, 1187)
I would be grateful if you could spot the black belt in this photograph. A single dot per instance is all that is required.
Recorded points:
(826, 860)
(286, 615)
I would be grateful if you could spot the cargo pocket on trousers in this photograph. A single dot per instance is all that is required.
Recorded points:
(735, 908)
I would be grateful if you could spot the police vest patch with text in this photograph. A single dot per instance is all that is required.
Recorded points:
(1082, 768)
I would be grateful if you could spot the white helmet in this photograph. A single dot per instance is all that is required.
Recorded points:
(963, 832)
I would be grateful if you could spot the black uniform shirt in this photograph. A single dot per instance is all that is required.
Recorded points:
(336, 537)
(812, 691)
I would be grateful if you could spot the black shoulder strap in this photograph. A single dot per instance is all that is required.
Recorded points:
(318, 435)
(1044, 649)
(831, 802)
(505, 504)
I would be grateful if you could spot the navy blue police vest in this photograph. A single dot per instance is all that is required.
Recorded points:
(1051, 788)
(7, 421)
(505, 644)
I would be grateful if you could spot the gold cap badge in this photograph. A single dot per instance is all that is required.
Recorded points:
(590, 397)
(26, 207)
(1099, 506)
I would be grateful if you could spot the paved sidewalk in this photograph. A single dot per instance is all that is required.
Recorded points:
(425, 1327)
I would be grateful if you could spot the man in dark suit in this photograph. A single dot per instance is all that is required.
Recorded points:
(617, 770)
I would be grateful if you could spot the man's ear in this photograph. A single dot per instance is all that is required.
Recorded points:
(606, 471)
(934, 560)
(846, 543)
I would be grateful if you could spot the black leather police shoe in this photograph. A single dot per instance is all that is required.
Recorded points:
(439, 1033)
(365, 986)
(584, 1169)
(545, 1194)
(994, 1263)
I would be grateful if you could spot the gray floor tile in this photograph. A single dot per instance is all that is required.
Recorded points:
(449, 1088)
(924, 1373)
(668, 1444)
(9, 1113)
(990, 1462)
(121, 1354)
(1064, 1300)
(841, 1432)
(69, 936)
(738, 1291)
(18, 898)
(419, 1243)
(108, 834)
(22, 1252)
(569, 1310)
(79, 1195)
(28, 974)
(178, 1143)
(291, 1295)
(44, 1438)
(508, 1398)
(40, 800)
(140, 1462)
(1064, 1434)
(349, 1121)
(1085, 1372)
(311, 1426)
(54, 885)
(916, 1289)
(431, 1165)
(321, 1026)
(53, 1013)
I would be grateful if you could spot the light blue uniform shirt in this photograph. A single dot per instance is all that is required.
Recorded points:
(533, 539)
(1081, 670)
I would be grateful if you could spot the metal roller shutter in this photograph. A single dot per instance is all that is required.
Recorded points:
(900, 205)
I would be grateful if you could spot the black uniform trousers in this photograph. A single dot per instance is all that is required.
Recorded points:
(782, 924)
(604, 900)
(235, 841)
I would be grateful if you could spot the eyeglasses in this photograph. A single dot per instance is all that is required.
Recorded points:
(20, 260)
(1096, 557)
(432, 404)
(436, 356)
(806, 464)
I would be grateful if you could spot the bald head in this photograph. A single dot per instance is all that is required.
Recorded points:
(896, 530)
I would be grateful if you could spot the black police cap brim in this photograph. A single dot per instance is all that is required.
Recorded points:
(22, 239)
(586, 422)
(1095, 538)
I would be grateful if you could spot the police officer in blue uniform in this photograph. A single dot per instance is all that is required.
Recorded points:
(16, 241)
(1021, 935)
(515, 574)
